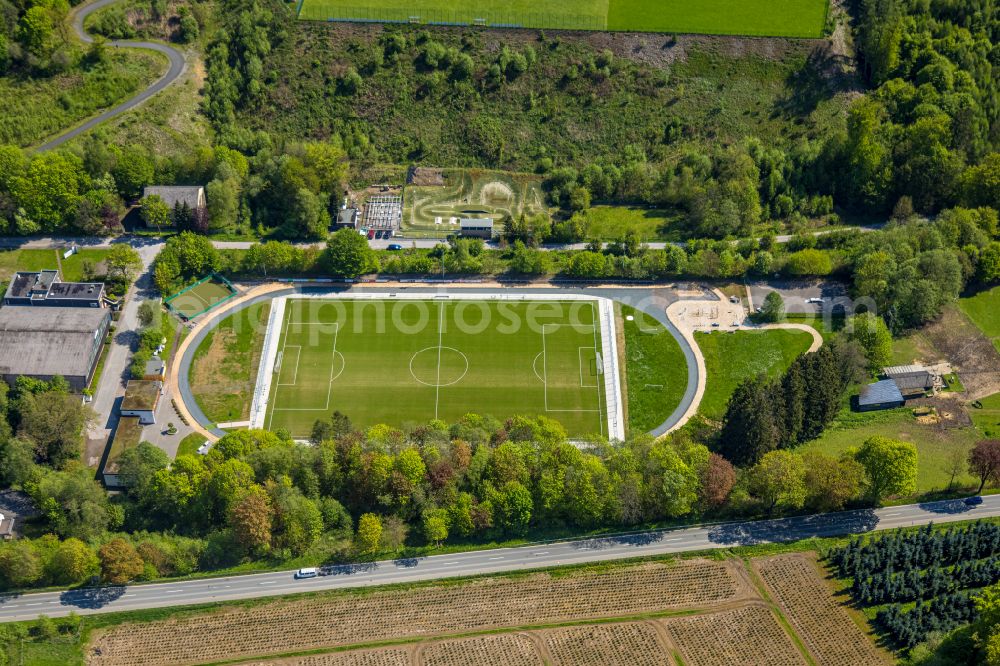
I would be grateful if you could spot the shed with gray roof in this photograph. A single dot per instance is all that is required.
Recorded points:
(880, 395)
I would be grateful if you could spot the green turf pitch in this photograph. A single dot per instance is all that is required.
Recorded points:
(406, 362)
(199, 298)
(778, 18)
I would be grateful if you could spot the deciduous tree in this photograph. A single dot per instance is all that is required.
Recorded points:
(890, 467)
(369, 534)
(120, 563)
(984, 461)
(778, 479)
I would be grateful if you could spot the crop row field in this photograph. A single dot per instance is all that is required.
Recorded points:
(773, 18)
(648, 614)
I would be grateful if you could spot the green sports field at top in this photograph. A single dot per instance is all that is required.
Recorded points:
(200, 297)
(402, 362)
(771, 18)
(465, 194)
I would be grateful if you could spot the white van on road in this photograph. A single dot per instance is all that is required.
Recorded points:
(309, 572)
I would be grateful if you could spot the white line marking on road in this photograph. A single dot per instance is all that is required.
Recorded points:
(674, 539)
(268, 582)
(497, 558)
(544, 552)
(454, 562)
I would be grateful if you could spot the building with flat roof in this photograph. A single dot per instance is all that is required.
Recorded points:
(347, 218)
(44, 342)
(880, 395)
(141, 398)
(47, 288)
(128, 434)
(476, 227)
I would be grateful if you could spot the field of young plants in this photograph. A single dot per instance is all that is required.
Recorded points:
(650, 614)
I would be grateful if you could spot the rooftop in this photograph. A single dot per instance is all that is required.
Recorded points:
(76, 290)
(898, 370)
(48, 341)
(880, 393)
(141, 394)
(128, 434)
(476, 222)
(173, 194)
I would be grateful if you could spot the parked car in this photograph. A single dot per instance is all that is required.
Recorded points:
(371, 234)
(308, 572)
(394, 247)
(973, 501)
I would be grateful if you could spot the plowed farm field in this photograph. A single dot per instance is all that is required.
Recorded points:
(688, 612)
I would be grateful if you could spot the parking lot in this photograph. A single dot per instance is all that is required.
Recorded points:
(804, 297)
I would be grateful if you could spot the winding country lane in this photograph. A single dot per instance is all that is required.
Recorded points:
(177, 66)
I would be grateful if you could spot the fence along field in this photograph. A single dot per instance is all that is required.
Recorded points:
(771, 18)
(695, 612)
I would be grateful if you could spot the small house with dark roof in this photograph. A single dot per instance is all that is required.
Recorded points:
(880, 395)
(47, 288)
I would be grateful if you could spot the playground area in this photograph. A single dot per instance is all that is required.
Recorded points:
(471, 194)
(201, 297)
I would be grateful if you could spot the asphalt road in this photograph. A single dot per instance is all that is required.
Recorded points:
(175, 70)
(210, 590)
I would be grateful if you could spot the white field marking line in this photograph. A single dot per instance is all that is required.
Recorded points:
(298, 357)
(594, 319)
(545, 372)
(437, 384)
(329, 389)
(580, 359)
(545, 383)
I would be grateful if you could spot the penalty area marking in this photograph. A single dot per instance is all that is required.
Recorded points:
(334, 374)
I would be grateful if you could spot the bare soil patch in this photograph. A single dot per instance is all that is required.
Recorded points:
(822, 622)
(508, 649)
(361, 616)
(750, 636)
(391, 656)
(970, 352)
(626, 644)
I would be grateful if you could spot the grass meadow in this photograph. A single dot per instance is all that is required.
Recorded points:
(656, 370)
(936, 446)
(34, 109)
(984, 311)
(774, 18)
(732, 357)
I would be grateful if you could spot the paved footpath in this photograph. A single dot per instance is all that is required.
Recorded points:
(175, 57)
(663, 542)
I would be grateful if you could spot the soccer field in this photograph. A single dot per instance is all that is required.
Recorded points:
(409, 361)
(774, 18)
